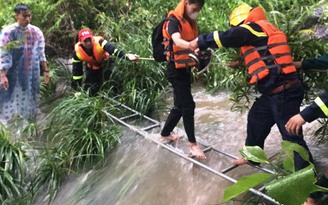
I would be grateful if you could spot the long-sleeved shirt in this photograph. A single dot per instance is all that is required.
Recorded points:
(319, 107)
(320, 63)
(78, 64)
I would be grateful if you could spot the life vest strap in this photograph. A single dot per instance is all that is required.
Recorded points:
(183, 61)
(278, 66)
(268, 59)
(262, 48)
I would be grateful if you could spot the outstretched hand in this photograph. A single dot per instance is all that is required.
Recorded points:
(234, 64)
(132, 57)
(294, 124)
(298, 65)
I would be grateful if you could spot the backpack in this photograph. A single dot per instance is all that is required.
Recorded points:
(157, 40)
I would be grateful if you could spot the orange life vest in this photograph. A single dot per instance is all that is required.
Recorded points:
(188, 32)
(278, 54)
(99, 56)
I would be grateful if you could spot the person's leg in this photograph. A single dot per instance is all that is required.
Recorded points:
(108, 70)
(175, 113)
(184, 106)
(259, 122)
(93, 80)
(286, 105)
(315, 196)
(188, 112)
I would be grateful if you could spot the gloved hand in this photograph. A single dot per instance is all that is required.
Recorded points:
(132, 57)
(75, 84)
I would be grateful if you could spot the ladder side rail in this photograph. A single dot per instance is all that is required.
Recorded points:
(132, 110)
(171, 149)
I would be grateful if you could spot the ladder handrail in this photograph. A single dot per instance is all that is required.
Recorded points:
(183, 155)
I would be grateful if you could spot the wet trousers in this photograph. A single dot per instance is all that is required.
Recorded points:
(95, 78)
(278, 108)
(184, 105)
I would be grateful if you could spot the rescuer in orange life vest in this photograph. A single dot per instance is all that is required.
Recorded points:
(96, 52)
(270, 68)
(177, 36)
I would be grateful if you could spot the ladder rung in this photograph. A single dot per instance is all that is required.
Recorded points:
(261, 189)
(228, 169)
(150, 127)
(207, 149)
(129, 116)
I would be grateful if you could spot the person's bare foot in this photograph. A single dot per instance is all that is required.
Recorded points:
(196, 151)
(311, 201)
(240, 161)
(172, 138)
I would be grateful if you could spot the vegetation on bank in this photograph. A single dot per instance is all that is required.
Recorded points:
(286, 185)
(76, 134)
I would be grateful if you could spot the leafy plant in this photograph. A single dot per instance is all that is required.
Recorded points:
(50, 171)
(79, 127)
(287, 186)
(12, 168)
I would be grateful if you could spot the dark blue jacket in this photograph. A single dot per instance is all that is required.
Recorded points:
(319, 107)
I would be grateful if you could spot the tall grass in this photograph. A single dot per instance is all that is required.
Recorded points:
(12, 168)
(79, 127)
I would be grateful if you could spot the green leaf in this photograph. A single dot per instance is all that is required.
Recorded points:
(293, 189)
(254, 153)
(244, 184)
(289, 164)
(289, 148)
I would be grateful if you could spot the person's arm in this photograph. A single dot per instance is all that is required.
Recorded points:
(320, 63)
(314, 111)
(174, 32)
(318, 109)
(42, 56)
(5, 57)
(236, 37)
(112, 50)
(77, 72)
(45, 70)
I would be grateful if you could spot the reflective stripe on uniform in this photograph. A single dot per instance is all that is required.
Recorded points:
(77, 77)
(115, 51)
(217, 39)
(104, 42)
(322, 105)
(256, 33)
(78, 54)
(75, 61)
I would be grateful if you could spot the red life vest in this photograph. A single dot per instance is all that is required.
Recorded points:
(188, 32)
(99, 56)
(278, 54)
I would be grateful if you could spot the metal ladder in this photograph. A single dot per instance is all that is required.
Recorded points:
(155, 124)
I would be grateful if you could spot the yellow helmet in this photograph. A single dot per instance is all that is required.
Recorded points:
(239, 14)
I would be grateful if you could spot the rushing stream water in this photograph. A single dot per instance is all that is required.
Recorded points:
(139, 172)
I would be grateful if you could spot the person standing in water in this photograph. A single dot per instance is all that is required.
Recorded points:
(96, 53)
(269, 63)
(318, 109)
(177, 36)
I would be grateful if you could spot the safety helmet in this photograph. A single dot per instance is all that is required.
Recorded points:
(239, 14)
